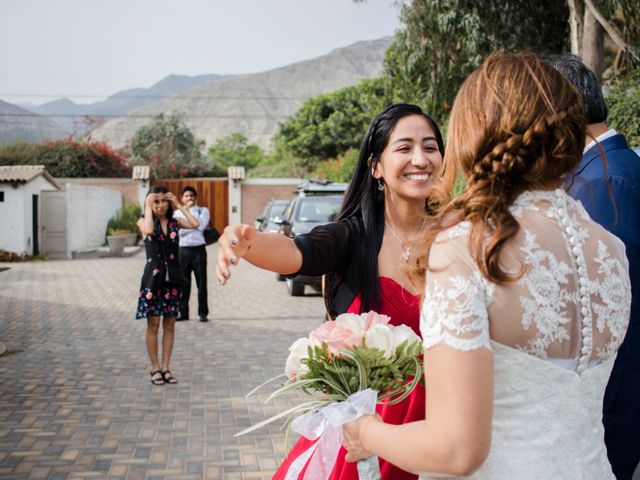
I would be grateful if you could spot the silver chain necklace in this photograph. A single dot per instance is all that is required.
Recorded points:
(406, 254)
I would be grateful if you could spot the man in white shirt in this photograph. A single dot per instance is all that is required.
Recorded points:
(193, 255)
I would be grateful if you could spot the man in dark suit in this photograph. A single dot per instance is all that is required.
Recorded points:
(609, 188)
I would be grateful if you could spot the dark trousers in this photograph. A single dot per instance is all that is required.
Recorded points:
(622, 408)
(194, 259)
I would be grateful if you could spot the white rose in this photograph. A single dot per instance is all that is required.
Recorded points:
(402, 333)
(298, 350)
(353, 322)
(380, 337)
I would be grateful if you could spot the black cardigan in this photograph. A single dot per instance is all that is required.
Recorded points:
(336, 249)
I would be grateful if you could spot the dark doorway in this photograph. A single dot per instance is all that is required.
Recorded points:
(35, 236)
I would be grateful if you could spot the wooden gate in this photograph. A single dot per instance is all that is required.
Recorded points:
(213, 193)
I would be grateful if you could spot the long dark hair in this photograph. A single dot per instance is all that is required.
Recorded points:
(161, 189)
(364, 200)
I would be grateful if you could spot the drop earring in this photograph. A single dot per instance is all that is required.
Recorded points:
(380, 184)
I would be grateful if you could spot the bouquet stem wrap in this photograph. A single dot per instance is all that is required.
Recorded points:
(325, 424)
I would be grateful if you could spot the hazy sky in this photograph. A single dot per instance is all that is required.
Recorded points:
(88, 49)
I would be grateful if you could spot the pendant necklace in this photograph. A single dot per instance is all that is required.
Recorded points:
(406, 254)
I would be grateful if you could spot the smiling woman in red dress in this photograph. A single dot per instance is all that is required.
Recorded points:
(366, 252)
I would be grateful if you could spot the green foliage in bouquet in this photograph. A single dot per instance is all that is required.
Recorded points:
(337, 376)
(354, 370)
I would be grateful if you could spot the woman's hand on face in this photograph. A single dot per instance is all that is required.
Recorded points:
(149, 200)
(351, 438)
(233, 244)
(173, 200)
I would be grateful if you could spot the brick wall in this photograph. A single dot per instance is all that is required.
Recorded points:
(257, 192)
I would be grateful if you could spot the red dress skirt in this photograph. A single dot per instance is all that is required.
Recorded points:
(403, 308)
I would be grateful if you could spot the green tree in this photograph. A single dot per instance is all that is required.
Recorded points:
(168, 146)
(593, 20)
(330, 124)
(623, 100)
(235, 149)
(18, 153)
(339, 169)
(280, 164)
(444, 40)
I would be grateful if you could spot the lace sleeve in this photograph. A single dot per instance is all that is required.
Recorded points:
(456, 299)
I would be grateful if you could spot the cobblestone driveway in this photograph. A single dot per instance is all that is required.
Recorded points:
(75, 395)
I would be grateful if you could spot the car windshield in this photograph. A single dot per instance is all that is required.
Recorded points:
(276, 212)
(320, 209)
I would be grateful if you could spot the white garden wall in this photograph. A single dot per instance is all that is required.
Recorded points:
(12, 213)
(88, 212)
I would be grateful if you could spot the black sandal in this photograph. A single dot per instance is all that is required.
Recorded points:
(157, 380)
(168, 378)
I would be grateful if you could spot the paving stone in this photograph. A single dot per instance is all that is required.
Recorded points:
(82, 405)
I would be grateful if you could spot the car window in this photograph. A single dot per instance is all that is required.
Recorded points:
(277, 210)
(321, 209)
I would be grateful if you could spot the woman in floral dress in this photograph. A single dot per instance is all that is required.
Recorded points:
(162, 279)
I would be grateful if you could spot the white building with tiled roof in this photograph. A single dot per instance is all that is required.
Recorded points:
(21, 188)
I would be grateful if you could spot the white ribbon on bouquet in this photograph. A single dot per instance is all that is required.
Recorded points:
(325, 424)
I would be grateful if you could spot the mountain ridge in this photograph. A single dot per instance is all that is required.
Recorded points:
(17, 123)
(213, 105)
(253, 104)
(70, 115)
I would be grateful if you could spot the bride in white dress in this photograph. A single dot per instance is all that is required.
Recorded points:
(526, 298)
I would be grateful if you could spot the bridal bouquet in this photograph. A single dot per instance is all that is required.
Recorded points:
(347, 365)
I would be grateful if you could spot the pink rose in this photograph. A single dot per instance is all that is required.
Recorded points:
(156, 271)
(149, 295)
(360, 324)
(372, 318)
(172, 235)
(174, 292)
(166, 296)
(336, 337)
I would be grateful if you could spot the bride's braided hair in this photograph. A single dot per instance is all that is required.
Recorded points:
(516, 125)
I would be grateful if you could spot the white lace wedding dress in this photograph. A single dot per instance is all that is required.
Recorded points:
(554, 335)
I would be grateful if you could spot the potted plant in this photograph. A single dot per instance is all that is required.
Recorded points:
(129, 215)
(116, 239)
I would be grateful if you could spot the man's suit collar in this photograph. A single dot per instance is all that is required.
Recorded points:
(612, 143)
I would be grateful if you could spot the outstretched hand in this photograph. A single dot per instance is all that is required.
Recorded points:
(233, 245)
